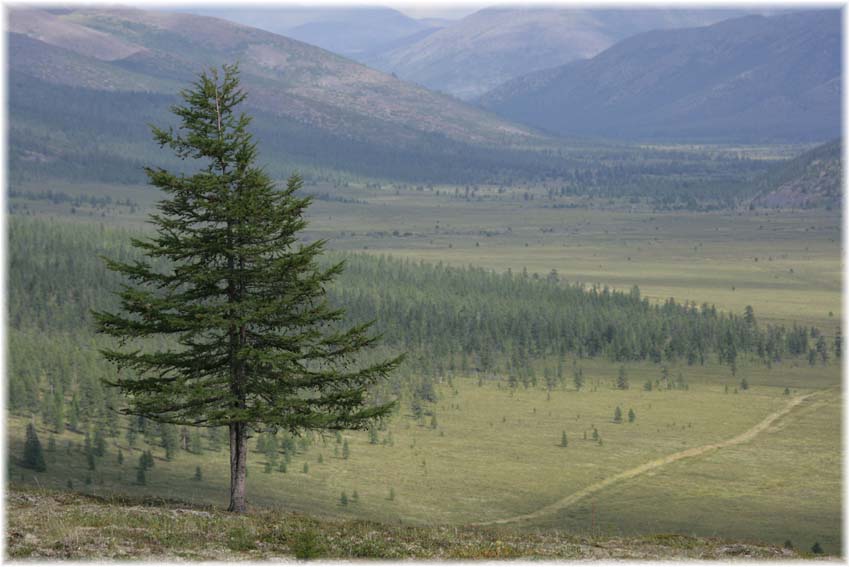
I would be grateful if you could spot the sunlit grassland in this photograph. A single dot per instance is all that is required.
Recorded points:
(783, 485)
(495, 454)
(786, 264)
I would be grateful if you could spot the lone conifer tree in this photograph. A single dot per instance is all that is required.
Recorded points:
(257, 345)
(33, 455)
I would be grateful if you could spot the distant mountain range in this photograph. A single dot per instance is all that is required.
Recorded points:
(749, 79)
(479, 52)
(354, 32)
(83, 83)
(469, 56)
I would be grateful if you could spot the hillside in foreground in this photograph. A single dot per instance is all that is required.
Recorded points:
(64, 525)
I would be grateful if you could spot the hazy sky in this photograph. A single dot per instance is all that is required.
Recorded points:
(428, 10)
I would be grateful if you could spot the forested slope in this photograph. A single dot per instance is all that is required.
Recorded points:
(448, 319)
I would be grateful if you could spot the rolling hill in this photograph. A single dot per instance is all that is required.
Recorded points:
(487, 48)
(83, 84)
(814, 179)
(750, 79)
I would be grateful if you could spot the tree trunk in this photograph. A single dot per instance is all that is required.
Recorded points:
(238, 461)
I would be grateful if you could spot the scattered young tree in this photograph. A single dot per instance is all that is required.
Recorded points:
(618, 415)
(578, 378)
(817, 549)
(242, 286)
(120, 458)
(391, 495)
(345, 450)
(744, 384)
(343, 499)
(33, 457)
(632, 415)
(647, 386)
(622, 379)
(199, 476)
(141, 479)
(99, 442)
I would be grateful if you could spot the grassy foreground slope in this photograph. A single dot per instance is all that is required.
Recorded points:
(57, 525)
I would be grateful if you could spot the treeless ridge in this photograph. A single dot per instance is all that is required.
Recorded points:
(747, 435)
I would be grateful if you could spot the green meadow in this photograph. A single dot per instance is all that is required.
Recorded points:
(493, 453)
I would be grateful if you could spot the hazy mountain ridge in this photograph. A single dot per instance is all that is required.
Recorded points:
(341, 111)
(491, 46)
(754, 79)
(284, 76)
(349, 31)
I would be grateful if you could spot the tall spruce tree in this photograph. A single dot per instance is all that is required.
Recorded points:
(257, 345)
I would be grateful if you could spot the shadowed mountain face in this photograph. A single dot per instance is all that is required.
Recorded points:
(483, 50)
(749, 79)
(312, 106)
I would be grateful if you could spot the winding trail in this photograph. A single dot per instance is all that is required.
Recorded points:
(654, 464)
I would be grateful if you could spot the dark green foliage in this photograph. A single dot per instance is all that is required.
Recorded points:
(632, 415)
(622, 379)
(146, 460)
(817, 549)
(345, 451)
(788, 544)
(282, 467)
(787, 392)
(618, 415)
(744, 384)
(90, 461)
(141, 479)
(120, 458)
(391, 495)
(373, 435)
(343, 499)
(51, 444)
(307, 545)
(306, 468)
(99, 447)
(564, 440)
(260, 345)
(33, 457)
